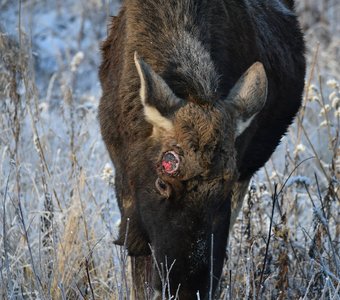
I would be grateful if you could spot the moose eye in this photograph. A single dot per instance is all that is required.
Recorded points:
(163, 188)
(170, 162)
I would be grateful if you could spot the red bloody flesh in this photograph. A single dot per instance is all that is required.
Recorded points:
(170, 162)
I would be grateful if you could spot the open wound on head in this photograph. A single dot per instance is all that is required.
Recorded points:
(170, 162)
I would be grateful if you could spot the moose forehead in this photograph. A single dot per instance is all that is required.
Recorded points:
(203, 136)
(203, 127)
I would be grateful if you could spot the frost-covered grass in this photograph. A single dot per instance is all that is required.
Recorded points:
(57, 210)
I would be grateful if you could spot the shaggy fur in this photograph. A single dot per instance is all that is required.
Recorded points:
(192, 56)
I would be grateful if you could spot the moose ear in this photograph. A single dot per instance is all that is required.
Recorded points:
(249, 95)
(158, 100)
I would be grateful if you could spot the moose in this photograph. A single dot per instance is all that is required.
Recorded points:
(196, 97)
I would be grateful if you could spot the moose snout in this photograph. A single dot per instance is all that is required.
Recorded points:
(190, 265)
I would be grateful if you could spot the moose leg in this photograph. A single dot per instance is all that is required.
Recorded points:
(239, 191)
(141, 277)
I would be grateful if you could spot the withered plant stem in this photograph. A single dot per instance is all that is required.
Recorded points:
(260, 285)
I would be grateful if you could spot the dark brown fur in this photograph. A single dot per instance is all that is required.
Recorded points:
(199, 49)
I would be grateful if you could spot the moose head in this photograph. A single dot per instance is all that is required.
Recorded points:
(186, 175)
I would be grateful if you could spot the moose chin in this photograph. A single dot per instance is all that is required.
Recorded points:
(196, 97)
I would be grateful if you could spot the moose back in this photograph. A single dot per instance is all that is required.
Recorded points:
(196, 96)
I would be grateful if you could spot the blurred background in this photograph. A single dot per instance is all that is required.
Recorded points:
(58, 215)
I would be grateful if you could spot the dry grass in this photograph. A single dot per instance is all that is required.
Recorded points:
(57, 209)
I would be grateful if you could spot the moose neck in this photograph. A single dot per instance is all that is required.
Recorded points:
(176, 43)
